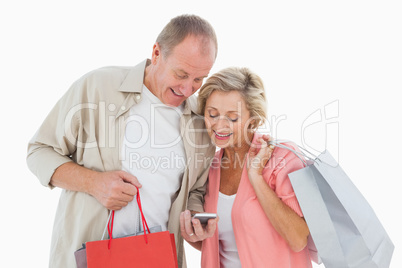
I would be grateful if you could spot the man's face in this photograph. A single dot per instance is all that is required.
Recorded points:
(178, 76)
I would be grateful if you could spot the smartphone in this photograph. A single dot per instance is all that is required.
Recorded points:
(204, 217)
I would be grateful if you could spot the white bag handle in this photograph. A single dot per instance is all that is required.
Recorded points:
(107, 222)
(300, 155)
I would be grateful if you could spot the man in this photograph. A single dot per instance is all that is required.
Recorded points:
(99, 140)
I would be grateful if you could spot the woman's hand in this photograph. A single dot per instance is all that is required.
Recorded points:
(259, 155)
(286, 221)
(193, 231)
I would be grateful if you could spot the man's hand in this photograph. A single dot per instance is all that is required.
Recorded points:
(114, 189)
(192, 230)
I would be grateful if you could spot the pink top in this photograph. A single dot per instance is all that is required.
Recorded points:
(258, 243)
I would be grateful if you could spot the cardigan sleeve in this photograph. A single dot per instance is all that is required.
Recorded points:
(279, 180)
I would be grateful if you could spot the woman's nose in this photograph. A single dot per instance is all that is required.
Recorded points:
(222, 122)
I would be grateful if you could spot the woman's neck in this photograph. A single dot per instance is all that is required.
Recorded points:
(234, 154)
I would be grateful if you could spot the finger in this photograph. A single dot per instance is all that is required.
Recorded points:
(187, 223)
(129, 178)
(253, 151)
(115, 208)
(123, 197)
(263, 142)
(255, 148)
(211, 227)
(264, 154)
(271, 147)
(128, 189)
(115, 205)
(182, 225)
(263, 145)
(269, 139)
(266, 137)
(198, 229)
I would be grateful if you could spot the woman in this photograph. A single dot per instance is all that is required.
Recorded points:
(260, 221)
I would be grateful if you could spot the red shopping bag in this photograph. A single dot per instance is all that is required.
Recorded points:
(147, 250)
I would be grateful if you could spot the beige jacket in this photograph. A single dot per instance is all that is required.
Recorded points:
(87, 126)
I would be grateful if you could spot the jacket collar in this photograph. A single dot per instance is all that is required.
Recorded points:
(135, 78)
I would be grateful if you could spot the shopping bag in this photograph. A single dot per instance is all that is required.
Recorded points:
(147, 250)
(343, 226)
(81, 254)
(133, 251)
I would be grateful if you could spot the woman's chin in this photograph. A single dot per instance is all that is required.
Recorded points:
(221, 143)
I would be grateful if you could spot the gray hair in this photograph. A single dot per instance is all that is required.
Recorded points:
(182, 26)
(242, 80)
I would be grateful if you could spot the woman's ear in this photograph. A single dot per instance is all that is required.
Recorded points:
(252, 125)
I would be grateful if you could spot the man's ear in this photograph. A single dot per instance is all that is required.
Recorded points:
(156, 53)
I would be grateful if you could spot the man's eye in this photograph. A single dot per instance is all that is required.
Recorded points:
(181, 76)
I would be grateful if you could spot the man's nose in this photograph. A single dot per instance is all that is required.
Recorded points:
(187, 88)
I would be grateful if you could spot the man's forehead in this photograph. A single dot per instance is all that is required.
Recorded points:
(187, 69)
(179, 70)
(188, 57)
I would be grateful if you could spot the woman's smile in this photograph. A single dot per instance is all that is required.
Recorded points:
(222, 136)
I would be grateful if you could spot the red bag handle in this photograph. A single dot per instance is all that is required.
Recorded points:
(144, 222)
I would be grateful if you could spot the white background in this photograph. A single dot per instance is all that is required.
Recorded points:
(345, 55)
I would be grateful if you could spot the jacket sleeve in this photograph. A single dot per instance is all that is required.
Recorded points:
(197, 191)
(55, 141)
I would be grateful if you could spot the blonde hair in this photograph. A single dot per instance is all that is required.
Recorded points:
(182, 26)
(242, 80)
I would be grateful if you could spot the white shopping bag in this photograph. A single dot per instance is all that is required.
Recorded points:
(343, 226)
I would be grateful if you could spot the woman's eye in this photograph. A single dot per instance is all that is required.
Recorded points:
(233, 120)
(213, 116)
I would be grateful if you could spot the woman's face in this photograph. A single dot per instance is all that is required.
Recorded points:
(227, 119)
